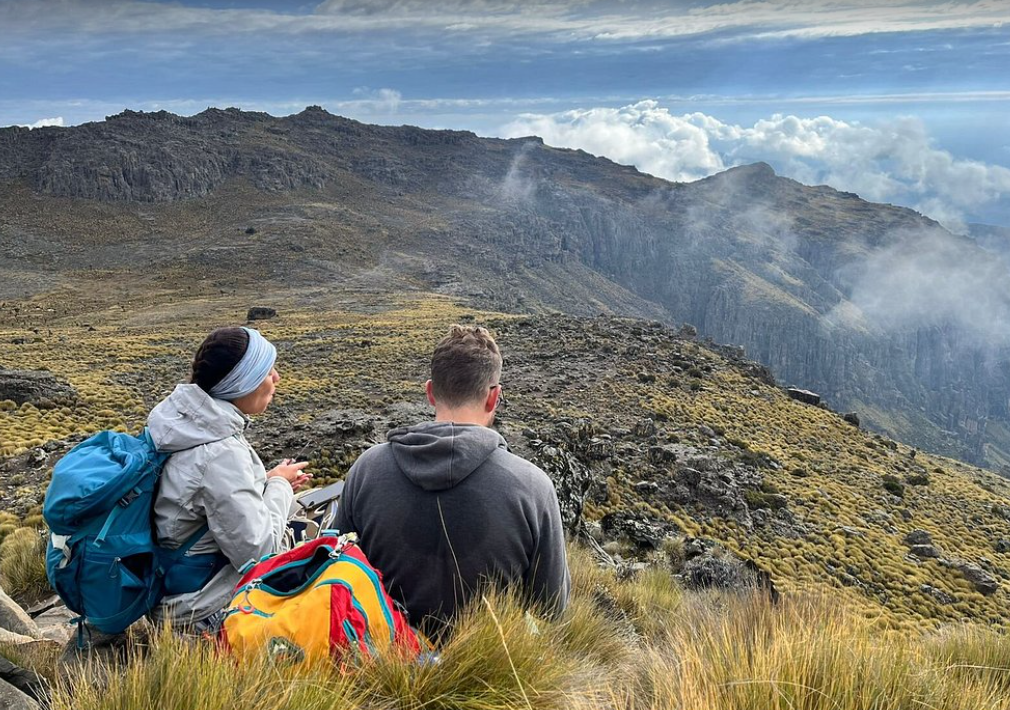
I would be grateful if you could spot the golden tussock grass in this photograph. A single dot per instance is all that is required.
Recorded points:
(697, 652)
(22, 565)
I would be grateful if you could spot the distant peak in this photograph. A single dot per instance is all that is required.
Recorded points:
(755, 175)
(760, 169)
(128, 115)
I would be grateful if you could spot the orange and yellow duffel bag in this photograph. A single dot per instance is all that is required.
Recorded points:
(321, 598)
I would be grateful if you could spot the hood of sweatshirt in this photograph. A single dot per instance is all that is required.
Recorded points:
(190, 417)
(438, 455)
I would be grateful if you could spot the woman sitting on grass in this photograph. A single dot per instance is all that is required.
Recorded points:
(213, 487)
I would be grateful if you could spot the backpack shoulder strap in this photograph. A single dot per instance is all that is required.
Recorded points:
(180, 552)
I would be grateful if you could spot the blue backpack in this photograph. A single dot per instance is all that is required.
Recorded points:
(102, 558)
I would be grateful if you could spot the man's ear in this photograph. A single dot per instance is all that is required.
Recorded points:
(430, 392)
(492, 399)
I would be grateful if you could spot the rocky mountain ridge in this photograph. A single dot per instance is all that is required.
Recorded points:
(835, 294)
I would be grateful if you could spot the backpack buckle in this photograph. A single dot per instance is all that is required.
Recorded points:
(128, 498)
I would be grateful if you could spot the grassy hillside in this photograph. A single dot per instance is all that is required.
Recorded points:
(827, 509)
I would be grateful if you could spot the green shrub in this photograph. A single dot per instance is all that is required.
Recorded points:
(893, 486)
(761, 500)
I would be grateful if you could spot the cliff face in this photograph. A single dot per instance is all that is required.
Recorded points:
(833, 293)
(876, 307)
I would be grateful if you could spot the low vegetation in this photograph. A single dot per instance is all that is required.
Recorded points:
(836, 486)
(862, 623)
(22, 565)
(633, 643)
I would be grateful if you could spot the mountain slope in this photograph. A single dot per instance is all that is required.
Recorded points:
(876, 307)
(654, 440)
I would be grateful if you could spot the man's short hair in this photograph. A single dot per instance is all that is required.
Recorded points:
(465, 365)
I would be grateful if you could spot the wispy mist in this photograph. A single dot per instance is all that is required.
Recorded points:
(926, 279)
(517, 186)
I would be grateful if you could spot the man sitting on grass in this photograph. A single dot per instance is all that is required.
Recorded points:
(443, 508)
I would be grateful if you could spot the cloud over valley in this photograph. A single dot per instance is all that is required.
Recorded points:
(890, 161)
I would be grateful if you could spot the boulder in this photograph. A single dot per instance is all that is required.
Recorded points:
(600, 448)
(708, 572)
(805, 396)
(14, 619)
(643, 532)
(659, 455)
(983, 582)
(92, 657)
(13, 699)
(715, 484)
(717, 569)
(27, 681)
(940, 596)
(924, 551)
(9, 638)
(644, 429)
(260, 313)
(646, 487)
(39, 388)
(697, 546)
(54, 624)
(918, 537)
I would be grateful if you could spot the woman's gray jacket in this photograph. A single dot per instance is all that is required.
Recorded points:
(213, 476)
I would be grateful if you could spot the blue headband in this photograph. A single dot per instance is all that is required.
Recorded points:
(250, 371)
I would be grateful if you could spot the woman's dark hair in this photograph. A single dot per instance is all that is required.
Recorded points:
(219, 353)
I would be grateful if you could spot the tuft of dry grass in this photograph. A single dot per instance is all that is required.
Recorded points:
(974, 654)
(808, 654)
(22, 565)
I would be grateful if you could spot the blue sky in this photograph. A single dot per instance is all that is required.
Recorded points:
(899, 101)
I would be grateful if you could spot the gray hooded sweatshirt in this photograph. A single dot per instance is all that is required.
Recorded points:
(443, 507)
(213, 476)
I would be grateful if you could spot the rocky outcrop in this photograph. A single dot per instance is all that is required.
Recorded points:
(572, 481)
(260, 313)
(981, 580)
(805, 396)
(918, 537)
(160, 157)
(39, 388)
(767, 278)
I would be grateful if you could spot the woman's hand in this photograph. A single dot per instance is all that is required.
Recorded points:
(291, 472)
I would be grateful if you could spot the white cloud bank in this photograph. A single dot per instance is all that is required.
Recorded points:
(43, 122)
(887, 162)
